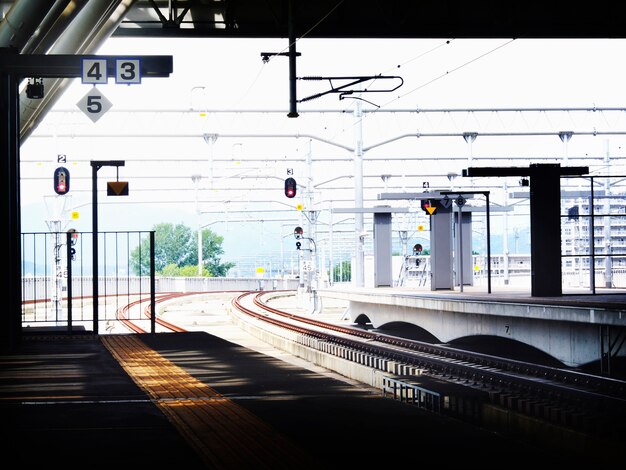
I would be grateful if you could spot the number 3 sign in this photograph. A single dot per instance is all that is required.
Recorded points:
(127, 71)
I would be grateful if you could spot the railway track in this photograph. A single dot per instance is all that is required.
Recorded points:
(585, 403)
(123, 314)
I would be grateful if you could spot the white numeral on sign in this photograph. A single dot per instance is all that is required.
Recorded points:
(127, 71)
(94, 71)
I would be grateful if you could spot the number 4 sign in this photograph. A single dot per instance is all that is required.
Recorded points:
(94, 71)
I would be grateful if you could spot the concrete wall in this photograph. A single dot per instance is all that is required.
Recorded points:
(40, 288)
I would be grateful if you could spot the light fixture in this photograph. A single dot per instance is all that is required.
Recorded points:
(470, 136)
(210, 138)
(565, 136)
(34, 89)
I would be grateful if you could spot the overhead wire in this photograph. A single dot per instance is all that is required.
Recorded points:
(448, 72)
(433, 80)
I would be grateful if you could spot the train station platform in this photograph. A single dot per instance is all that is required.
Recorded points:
(195, 400)
(613, 299)
(574, 329)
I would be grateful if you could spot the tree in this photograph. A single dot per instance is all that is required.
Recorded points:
(176, 252)
(211, 251)
(171, 270)
(342, 272)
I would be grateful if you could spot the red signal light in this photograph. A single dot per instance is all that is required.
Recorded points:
(429, 206)
(61, 180)
(290, 187)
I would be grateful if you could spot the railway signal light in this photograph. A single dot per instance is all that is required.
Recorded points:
(429, 206)
(61, 180)
(298, 233)
(290, 187)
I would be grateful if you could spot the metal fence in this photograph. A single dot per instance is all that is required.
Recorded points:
(593, 232)
(58, 279)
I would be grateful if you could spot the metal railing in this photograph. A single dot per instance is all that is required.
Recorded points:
(58, 279)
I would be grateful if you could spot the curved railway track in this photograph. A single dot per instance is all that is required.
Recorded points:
(122, 314)
(584, 402)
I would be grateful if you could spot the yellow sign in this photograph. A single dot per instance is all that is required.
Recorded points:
(431, 209)
(260, 270)
(75, 215)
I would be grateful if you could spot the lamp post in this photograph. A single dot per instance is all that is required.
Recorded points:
(95, 166)
(196, 180)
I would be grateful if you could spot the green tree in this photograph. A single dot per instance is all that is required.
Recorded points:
(343, 272)
(211, 252)
(171, 270)
(176, 252)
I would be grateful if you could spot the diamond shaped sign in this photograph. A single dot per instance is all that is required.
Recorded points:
(94, 104)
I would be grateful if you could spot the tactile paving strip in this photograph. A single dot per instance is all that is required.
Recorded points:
(224, 434)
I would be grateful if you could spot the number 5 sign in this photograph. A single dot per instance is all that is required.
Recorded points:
(94, 104)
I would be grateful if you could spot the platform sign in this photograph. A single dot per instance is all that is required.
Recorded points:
(94, 71)
(94, 104)
(446, 202)
(127, 71)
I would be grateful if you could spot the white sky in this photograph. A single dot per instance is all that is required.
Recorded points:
(228, 74)
(436, 73)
